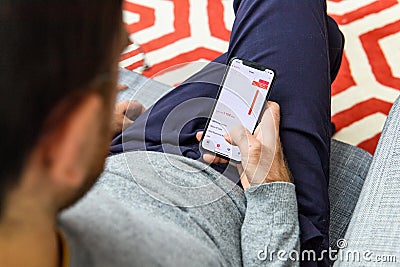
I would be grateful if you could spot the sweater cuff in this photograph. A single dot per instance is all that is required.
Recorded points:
(276, 199)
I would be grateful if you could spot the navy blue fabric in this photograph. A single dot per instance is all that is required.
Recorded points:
(304, 46)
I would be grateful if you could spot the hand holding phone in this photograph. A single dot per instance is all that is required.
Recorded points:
(240, 102)
(262, 159)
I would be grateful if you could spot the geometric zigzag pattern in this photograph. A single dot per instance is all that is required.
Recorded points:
(172, 33)
(369, 79)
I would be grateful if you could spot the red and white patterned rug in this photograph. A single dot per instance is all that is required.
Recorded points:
(170, 33)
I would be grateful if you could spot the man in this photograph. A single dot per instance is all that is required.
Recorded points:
(58, 74)
(58, 110)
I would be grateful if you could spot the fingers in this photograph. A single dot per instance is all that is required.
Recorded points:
(125, 114)
(210, 158)
(250, 145)
(247, 143)
(122, 87)
(213, 159)
(267, 131)
(257, 151)
(120, 122)
(275, 111)
(131, 109)
(271, 116)
(134, 110)
(121, 107)
(199, 135)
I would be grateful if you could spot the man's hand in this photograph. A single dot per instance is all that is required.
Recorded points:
(122, 87)
(125, 114)
(262, 156)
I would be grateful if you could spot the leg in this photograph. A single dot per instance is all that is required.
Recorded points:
(292, 37)
(336, 46)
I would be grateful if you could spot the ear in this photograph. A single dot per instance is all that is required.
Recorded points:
(68, 149)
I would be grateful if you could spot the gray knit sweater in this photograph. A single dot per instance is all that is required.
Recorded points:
(153, 209)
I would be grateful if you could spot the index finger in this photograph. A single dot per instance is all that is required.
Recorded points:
(208, 157)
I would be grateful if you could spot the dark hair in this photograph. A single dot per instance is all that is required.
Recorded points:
(49, 51)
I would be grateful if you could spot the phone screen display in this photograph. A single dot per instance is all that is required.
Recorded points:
(240, 102)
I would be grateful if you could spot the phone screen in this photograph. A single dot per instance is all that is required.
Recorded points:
(240, 102)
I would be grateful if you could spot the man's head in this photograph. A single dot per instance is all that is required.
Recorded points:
(58, 72)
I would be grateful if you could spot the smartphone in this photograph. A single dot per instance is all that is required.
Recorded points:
(241, 100)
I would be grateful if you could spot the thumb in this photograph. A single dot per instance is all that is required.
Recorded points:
(274, 114)
(237, 135)
(241, 137)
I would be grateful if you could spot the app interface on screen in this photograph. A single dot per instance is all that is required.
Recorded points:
(240, 103)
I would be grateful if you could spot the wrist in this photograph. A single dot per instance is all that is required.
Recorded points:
(279, 171)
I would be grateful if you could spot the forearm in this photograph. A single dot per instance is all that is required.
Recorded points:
(270, 232)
